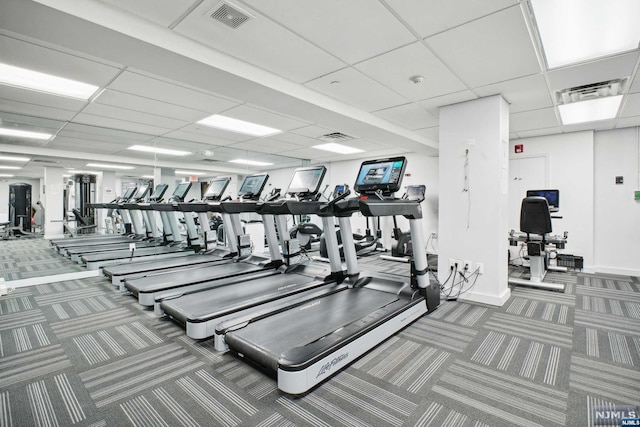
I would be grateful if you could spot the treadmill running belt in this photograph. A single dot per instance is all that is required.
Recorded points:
(266, 340)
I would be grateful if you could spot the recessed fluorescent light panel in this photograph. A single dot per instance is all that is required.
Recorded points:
(41, 82)
(179, 172)
(105, 166)
(6, 175)
(590, 111)
(148, 176)
(576, 30)
(337, 148)
(24, 133)
(250, 162)
(157, 150)
(239, 126)
(10, 167)
(84, 172)
(15, 159)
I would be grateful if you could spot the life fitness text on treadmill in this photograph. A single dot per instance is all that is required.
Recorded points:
(325, 369)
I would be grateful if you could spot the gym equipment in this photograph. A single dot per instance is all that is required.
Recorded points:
(535, 228)
(20, 207)
(402, 249)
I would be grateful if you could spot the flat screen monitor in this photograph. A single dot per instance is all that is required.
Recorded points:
(552, 196)
(306, 181)
(382, 174)
(158, 193)
(128, 193)
(181, 191)
(252, 186)
(142, 192)
(216, 188)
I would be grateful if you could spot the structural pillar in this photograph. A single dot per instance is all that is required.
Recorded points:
(473, 224)
(53, 203)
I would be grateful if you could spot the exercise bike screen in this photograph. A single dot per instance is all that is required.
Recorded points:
(306, 180)
(216, 188)
(252, 186)
(385, 175)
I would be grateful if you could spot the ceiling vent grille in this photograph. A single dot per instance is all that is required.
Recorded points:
(50, 162)
(591, 91)
(230, 15)
(336, 137)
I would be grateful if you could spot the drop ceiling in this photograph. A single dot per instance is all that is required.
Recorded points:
(306, 67)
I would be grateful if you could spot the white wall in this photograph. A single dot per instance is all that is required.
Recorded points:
(570, 170)
(617, 214)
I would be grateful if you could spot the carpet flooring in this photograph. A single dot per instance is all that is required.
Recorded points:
(78, 353)
(33, 257)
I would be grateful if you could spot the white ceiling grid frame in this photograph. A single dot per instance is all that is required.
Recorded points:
(411, 116)
(263, 117)
(133, 116)
(522, 94)
(16, 107)
(534, 119)
(150, 106)
(163, 12)
(488, 50)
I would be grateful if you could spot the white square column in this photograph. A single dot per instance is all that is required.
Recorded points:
(473, 217)
(53, 203)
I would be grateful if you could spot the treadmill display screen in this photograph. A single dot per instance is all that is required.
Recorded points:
(216, 188)
(181, 191)
(552, 196)
(142, 192)
(306, 180)
(127, 194)
(384, 175)
(159, 192)
(252, 186)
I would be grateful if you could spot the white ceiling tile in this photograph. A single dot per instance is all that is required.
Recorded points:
(539, 132)
(523, 94)
(207, 135)
(394, 68)
(600, 125)
(313, 131)
(90, 119)
(631, 105)
(356, 89)
(301, 140)
(35, 110)
(41, 98)
(260, 42)
(271, 146)
(410, 116)
(162, 12)
(153, 88)
(593, 72)
(433, 105)
(628, 122)
(97, 133)
(535, 119)
(430, 17)
(491, 49)
(352, 31)
(147, 105)
(84, 145)
(28, 55)
(120, 113)
(263, 117)
(28, 122)
(635, 85)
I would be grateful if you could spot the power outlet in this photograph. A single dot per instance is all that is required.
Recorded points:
(467, 265)
(455, 264)
(480, 268)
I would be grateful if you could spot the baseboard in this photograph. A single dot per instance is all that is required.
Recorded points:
(32, 281)
(495, 300)
(54, 236)
(617, 271)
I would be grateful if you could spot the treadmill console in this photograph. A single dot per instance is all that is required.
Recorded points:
(382, 176)
(158, 193)
(180, 192)
(216, 189)
(305, 182)
(141, 194)
(127, 194)
(252, 187)
(339, 190)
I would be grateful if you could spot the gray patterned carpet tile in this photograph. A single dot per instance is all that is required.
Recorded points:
(80, 353)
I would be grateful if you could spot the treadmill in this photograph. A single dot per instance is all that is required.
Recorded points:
(119, 272)
(201, 312)
(172, 247)
(306, 343)
(61, 243)
(141, 220)
(146, 288)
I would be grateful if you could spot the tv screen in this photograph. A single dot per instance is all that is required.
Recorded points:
(306, 180)
(129, 192)
(143, 190)
(383, 174)
(216, 188)
(252, 186)
(552, 196)
(181, 190)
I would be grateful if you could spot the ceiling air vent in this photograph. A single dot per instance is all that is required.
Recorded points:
(230, 15)
(336, 137)
(50, 162)
(591, 91)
